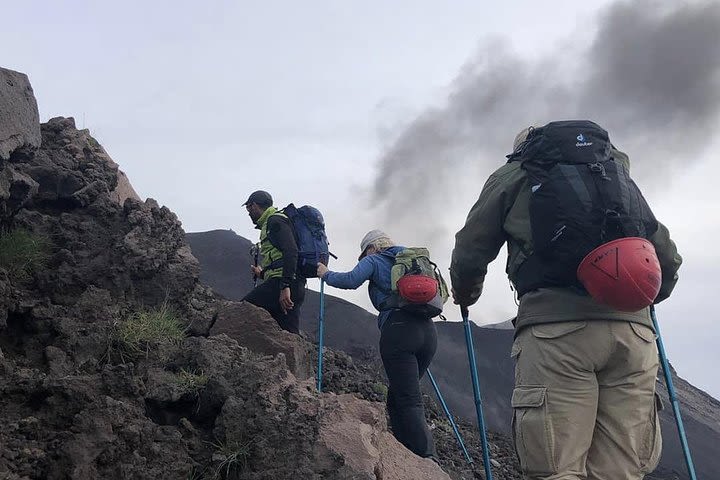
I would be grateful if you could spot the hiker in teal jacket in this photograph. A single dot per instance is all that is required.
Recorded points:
(407, 341)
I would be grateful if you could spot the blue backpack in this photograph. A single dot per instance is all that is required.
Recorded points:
(309, 228)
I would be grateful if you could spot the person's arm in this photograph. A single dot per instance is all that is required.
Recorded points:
(352, 279)
(480, 240)
(281, 236)
(665, 248)
(670, 261)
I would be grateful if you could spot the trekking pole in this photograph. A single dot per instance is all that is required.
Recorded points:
(476, 392)
(449, 417)
(255, 253)
(673, 398)
(321, 331)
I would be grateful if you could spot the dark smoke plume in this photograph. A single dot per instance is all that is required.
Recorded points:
(651, 77)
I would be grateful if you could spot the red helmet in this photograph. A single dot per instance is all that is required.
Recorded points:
(417, 288)
(623, 274)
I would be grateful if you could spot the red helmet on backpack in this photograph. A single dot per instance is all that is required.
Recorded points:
(417, 288)
(624, 274)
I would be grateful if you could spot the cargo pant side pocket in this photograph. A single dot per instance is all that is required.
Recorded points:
(651, 447)
(532, 430)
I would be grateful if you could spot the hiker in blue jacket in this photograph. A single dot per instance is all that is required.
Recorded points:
(407, 341)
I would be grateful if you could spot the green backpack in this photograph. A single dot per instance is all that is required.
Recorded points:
(417, 285)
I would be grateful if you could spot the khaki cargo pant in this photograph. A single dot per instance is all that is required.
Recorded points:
(584, 404)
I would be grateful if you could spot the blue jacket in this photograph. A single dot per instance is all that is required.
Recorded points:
(375, 268)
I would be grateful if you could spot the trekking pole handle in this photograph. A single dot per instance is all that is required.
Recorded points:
(464, 311)
(255, 254)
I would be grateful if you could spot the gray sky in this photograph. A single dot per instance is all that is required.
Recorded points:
(365, 108)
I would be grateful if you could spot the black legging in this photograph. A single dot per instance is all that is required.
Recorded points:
(407, 346)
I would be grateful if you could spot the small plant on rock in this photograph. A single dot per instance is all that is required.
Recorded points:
(23, 252)
(148, 328)
(232, 456)
(191, 380)
(380, 389)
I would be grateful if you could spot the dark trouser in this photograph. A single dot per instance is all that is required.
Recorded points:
(407, 346)
(267, 296)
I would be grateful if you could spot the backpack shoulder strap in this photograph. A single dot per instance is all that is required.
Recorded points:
(279, 214)
(420, 251)
(387, 254)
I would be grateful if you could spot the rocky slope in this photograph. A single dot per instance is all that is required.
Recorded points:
(112, 362)
(117, 362)
(352, 329)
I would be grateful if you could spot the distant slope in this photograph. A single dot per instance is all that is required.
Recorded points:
(225, 261)
(224, 258)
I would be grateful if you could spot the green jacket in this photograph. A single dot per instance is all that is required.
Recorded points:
(501, 215)
(269, 253)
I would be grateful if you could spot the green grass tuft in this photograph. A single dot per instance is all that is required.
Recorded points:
(192, 380)
(234, 456)
(145, 328)
(380, 389)
(23, 252)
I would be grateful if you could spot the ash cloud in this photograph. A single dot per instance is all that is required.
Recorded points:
(651, 77)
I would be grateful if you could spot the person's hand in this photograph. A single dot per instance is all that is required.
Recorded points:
(321, 270)
(456, 301)
(256, 271)
(286, 302)
(462, 300)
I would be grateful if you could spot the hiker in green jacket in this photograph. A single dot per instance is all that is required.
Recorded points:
(282, 291)
(584, 400)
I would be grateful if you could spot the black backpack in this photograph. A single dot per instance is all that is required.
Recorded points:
(581, 197)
